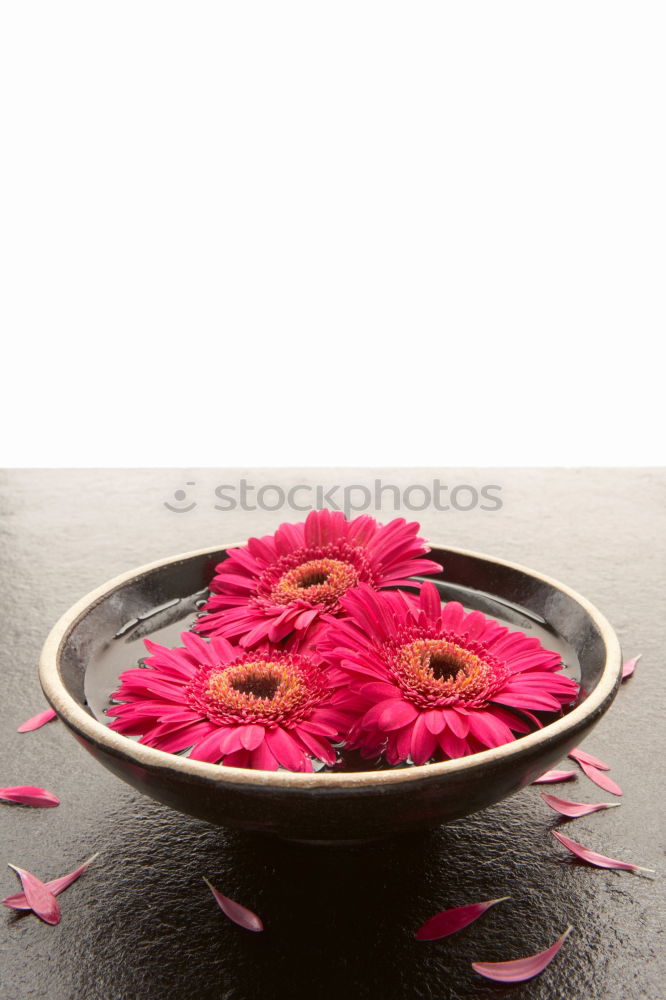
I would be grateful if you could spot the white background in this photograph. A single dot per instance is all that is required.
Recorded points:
(351, 233)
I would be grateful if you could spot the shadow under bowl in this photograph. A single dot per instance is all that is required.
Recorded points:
(329, 806)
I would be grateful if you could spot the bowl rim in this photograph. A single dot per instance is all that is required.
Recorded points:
(78, 719)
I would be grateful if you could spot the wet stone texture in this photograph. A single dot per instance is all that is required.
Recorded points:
(141, 924)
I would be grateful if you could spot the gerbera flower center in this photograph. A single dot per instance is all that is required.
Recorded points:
(256, 683)
(444, 665)
(446, 671)
(264, 688)
(319, 581)
(313, 578)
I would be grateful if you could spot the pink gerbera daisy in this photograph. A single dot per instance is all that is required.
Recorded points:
(283, 583)
(439, 683)
(261, 709)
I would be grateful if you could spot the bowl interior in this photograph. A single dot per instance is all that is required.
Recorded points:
(103, 635)
(161, 603)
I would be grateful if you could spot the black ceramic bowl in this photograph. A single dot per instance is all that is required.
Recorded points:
(331, 806)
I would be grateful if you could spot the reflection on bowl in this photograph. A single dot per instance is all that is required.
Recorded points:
(101, 635)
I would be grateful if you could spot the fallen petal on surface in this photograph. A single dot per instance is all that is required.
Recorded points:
(587, 758)
(522, 968)
(629, 667)
(239, 914)
(37, 721)
(592, 858)
(449, 921)
(28, 795)
(57, 885)
(575, 809)
(550, 777)
(38, 896)
(600, 778)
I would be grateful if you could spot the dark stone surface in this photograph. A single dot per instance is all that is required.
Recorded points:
(141, 925)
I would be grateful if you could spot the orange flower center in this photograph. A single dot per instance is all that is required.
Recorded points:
(446, 671)
(314, 576)
(263, 684)
(319, 581)
(266, 689)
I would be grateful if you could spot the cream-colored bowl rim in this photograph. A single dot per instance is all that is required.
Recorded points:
(97, 733)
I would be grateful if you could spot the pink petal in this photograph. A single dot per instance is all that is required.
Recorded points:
(238, 758)
(453, 615)
(457, 721)
(592, 858)
(423, 743)
(285, 749)
(575, 809)
(320, 749)
(517, 722)
(38, 896)
(325, 729)
(587, 758)
(281, 627)
(449, 921)
(57, 885)
(600, 779)
(630, 666)
(523, 698)
(208, 749)
(239, 914)
(452, 745)
(430, 601)
(396, 715)
(230, 740)
(522, 968)
(435, 720)
(37, 721)
(550, 777)
(263, 759)
(402, 743)
(252, 736)
(305, 619)
(378, 689)
(184, 737)
(28, 795)
(489, 730)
